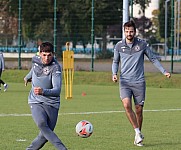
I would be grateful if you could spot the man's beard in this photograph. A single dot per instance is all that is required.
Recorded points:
(130, 38)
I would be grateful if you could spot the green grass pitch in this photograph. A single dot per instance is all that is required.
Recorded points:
(102, 107)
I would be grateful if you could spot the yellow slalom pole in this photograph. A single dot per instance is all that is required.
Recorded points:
(71, 81)
(64, 73)
(67, 88)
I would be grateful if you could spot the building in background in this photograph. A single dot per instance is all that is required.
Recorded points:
(148, 11)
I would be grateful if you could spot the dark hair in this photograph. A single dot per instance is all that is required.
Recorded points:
(46, 47)
(130, 24)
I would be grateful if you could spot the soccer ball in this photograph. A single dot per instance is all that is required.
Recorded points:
(84, 129)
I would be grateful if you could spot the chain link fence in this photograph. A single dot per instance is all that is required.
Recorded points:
(80, 22)
(75, 21)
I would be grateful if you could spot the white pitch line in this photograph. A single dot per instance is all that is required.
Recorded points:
(21, 140)
(14, 115)
(88, 113)
(108, 112)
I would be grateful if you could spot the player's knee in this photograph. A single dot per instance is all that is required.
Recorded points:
(41, 124)
(139, 109)
(127, 105)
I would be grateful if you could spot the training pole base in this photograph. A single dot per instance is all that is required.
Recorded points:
(68, 97)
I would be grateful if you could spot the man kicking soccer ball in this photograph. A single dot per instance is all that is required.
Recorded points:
(44, 96)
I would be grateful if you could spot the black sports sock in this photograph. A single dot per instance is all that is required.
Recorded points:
(2, 82)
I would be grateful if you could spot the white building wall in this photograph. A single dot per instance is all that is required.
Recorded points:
(148, 11)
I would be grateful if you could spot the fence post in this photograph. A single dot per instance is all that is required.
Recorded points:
(55, 27)
(92, 38)
(19, 35)
(172, 33)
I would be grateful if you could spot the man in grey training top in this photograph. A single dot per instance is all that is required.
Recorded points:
(130, 52)
(44, 96)
(2, 68)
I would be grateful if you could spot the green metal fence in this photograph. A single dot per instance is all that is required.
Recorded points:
(92, 27)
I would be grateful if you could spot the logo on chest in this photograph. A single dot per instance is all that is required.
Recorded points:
(137, 48)
(46, 70)
(123, 48)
